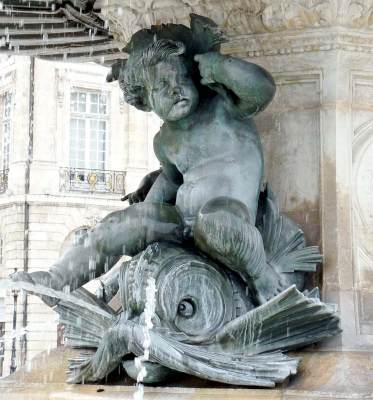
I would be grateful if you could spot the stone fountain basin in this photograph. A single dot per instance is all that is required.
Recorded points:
(322, 375)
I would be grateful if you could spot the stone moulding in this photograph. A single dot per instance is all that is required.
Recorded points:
(295, 42)
(240, 17)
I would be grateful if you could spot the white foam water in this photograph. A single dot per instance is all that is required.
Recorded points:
(148, 325)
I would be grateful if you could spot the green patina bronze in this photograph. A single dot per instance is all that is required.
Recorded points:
(228, 266)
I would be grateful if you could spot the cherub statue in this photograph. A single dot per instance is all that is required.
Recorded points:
(212, 166)
(206, 194)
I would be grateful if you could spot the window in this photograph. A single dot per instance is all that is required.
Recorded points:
(6, 129)
(88, 129)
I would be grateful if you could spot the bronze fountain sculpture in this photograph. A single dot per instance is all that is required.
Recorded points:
(229, 269)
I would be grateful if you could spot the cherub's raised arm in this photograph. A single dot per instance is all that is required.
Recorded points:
(252, 87)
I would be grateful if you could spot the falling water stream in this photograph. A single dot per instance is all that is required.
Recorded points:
(149, 313)
(148, 325)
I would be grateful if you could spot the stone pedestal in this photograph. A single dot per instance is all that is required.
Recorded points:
(322, 376)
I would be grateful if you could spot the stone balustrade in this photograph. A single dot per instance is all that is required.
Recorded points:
(91, 180)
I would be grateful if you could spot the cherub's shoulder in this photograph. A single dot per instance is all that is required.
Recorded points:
(210, 106)
(220, 102)
(223, 106)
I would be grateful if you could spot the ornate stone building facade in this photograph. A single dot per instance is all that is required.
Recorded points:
(70, 148)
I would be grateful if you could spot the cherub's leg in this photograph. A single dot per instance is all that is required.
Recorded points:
(128, 232)
(225, 232)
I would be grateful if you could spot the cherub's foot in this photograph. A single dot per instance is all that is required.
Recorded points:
(40, 278)
(268, 285)
(21, 276)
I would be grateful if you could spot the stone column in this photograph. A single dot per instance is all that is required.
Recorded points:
(317, 137)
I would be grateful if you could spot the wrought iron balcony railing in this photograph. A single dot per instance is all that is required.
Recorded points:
(91, 180)
(3, 180)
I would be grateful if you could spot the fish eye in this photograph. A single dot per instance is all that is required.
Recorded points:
(186, 308)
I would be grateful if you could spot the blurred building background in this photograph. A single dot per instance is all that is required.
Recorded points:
(70, 149)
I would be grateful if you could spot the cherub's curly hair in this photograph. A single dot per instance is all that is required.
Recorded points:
(134, 74)
(148, 47)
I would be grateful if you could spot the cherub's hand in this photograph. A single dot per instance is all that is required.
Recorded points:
(146, 183)
(208, 63)
(137, 196)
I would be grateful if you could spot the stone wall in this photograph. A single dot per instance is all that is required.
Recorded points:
(315, 154)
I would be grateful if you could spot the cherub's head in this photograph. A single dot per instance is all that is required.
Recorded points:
(159, 78)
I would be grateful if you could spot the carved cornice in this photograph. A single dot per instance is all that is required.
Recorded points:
(295, 42)
(240, 17)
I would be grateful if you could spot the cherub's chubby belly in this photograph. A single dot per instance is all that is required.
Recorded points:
(228, 178)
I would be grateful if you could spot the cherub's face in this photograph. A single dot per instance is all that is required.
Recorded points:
(171, 91)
